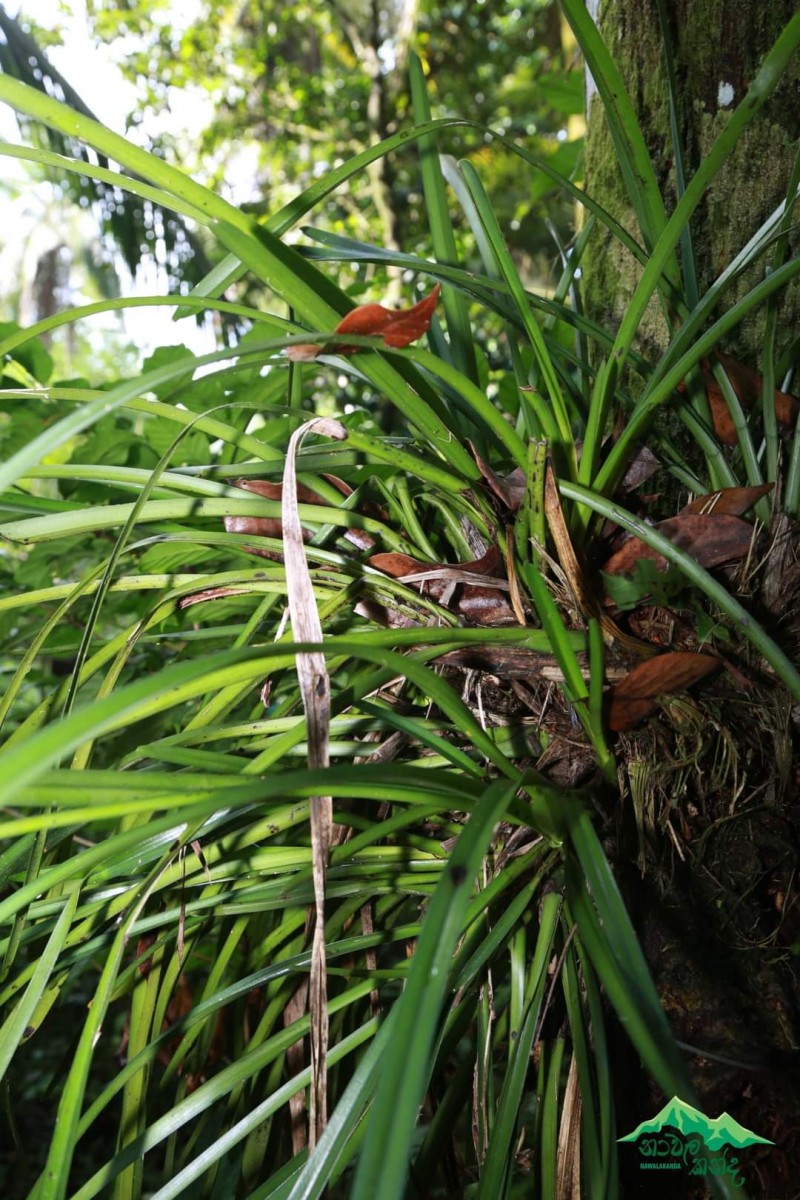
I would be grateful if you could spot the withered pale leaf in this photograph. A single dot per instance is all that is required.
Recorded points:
(312, 674)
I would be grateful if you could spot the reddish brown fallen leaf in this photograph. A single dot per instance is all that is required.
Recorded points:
(256, 527)
(729, 502)
(398, 329)
(274, 491)
(397, 565)
(636, 697)
(272, 526)
(479, 604)
(484, 606)
(747, 385)
(711, 539)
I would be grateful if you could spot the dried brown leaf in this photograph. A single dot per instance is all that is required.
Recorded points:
(729, 502)
(514, 590)
(295, 1061)
(712, 539)
(509, 489)
(643, 464)
(568, 1155)
(636, 697)
(475, 586)
(572, 567)
(747, 384)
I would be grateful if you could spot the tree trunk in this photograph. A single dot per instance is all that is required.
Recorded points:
(718, 46)
(711, 813)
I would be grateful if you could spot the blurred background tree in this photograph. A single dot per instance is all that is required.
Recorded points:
(288, 91)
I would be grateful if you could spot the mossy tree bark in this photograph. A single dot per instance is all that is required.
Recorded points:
(713, 904)
(717, 46)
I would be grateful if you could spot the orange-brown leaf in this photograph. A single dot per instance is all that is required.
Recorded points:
(399, 329)
(366, 320)
(636, 697)
(410, 324)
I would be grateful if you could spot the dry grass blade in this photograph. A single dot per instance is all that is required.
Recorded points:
(568, 1179)
(315, 688)
(574, 571)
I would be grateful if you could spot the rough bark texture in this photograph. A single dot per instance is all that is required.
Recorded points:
(718, 46)
(711, 899)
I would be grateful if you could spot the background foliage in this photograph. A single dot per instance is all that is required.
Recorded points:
(490, 1008)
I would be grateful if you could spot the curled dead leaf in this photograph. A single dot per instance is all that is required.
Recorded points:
(457, 586)
(398, 329)
(312, 676)
(509, 489)
(636, 697)
(272, 526)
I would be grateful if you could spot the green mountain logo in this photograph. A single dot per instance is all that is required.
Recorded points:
(717, 1132)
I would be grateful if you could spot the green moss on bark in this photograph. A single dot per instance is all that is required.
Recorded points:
(719, 46)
